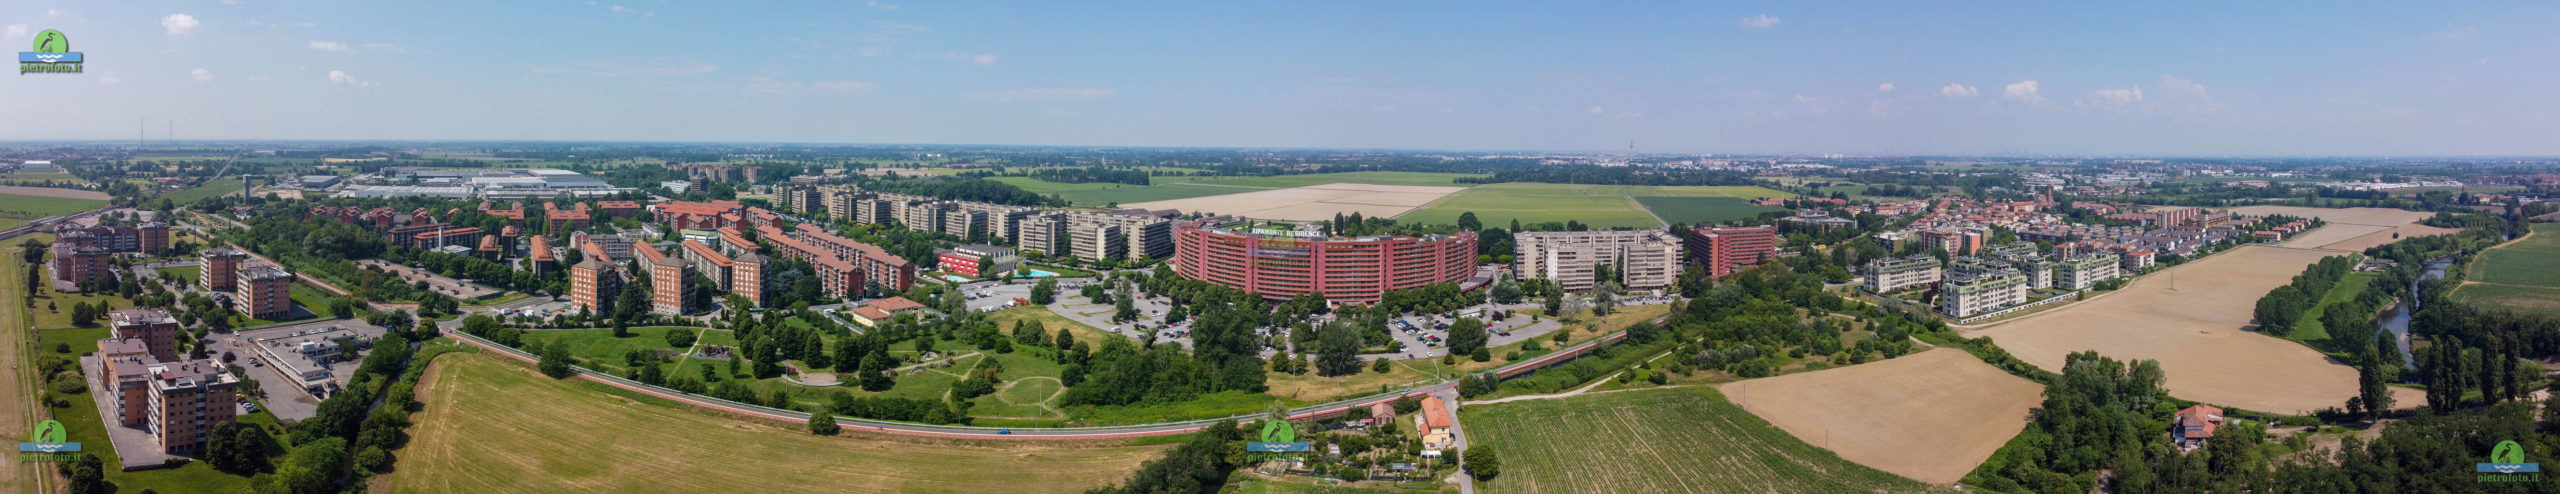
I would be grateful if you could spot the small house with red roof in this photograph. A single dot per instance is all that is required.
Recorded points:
(2191, 426)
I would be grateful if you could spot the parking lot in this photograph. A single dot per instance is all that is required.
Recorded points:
(458, 289)
(287, 395)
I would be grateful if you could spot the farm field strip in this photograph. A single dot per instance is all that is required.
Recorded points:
(1931, 416)
(1310, 203)
(2523, 274)
(1686, 439)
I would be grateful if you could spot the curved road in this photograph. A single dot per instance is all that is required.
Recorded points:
(1020, 433)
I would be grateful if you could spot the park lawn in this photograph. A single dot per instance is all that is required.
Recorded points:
(59, 316)
(1313, 388)
(1528, 203)
(184, 275)
(31, 207)
(495, 427)
(82, 341)
(2309, 330)
(1703, 210)
(1207, 406)
(599, 349)
(501, 298)
(1687, 439)
(1006, 319)
(927, 384)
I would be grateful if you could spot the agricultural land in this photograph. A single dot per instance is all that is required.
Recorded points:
(1930, 416)
(1684, 439)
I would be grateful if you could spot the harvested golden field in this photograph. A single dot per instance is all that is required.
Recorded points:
(2192, 318)
(1931, 416)
(2395, 234)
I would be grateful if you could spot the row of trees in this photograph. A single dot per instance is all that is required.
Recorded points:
(2280, 309)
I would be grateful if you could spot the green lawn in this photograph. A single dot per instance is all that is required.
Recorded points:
(184, 275)
(312, 299)
(598, 349)
(1700, 210)
(2309, 330)
(60, 304)
(82, 341)
(1657, 440)
(32, 207)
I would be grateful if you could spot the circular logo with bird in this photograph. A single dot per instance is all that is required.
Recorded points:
(51, 41)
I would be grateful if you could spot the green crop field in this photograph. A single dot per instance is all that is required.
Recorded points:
(1656, 440)
(33, 207)
(1165, 190)
(1699, 210)
(1498, 204)
(2522, 275)
(498, 427)
(2532, 261)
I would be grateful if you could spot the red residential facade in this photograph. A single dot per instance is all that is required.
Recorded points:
(1345, 269)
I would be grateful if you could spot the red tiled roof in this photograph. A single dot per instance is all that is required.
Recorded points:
(1435, 414)
(894, 304)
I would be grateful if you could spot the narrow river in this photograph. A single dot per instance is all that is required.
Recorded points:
(2396, 320)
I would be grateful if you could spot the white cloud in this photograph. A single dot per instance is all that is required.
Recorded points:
(1599, 111)
(110, 78)
(341, 77)
(256, 78)
(2173, 87)
(1045, 94)
(180, 24)
(988, 60)
(53, 12)
(201, 75)
(882, 6)
(17, 31)
(1954, 90)
(1762, 21)
(382, 47)
(1624, 115)
(618, 68)
(2119, 97)
(1885, 87)
(331, 46)
(2024, 91)
(618, 9)
(763, 84)
(230, 2)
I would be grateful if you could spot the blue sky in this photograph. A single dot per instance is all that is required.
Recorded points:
(2142, 78)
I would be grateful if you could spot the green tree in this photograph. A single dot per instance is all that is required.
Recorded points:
(1466, 336)
(1482, 462)
(555, 361)
(1045, 292)
(1338, 350)
(823, 423)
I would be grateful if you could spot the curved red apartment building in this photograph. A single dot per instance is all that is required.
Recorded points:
(1282, 264)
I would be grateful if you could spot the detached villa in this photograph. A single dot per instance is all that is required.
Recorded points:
(2191, 426)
